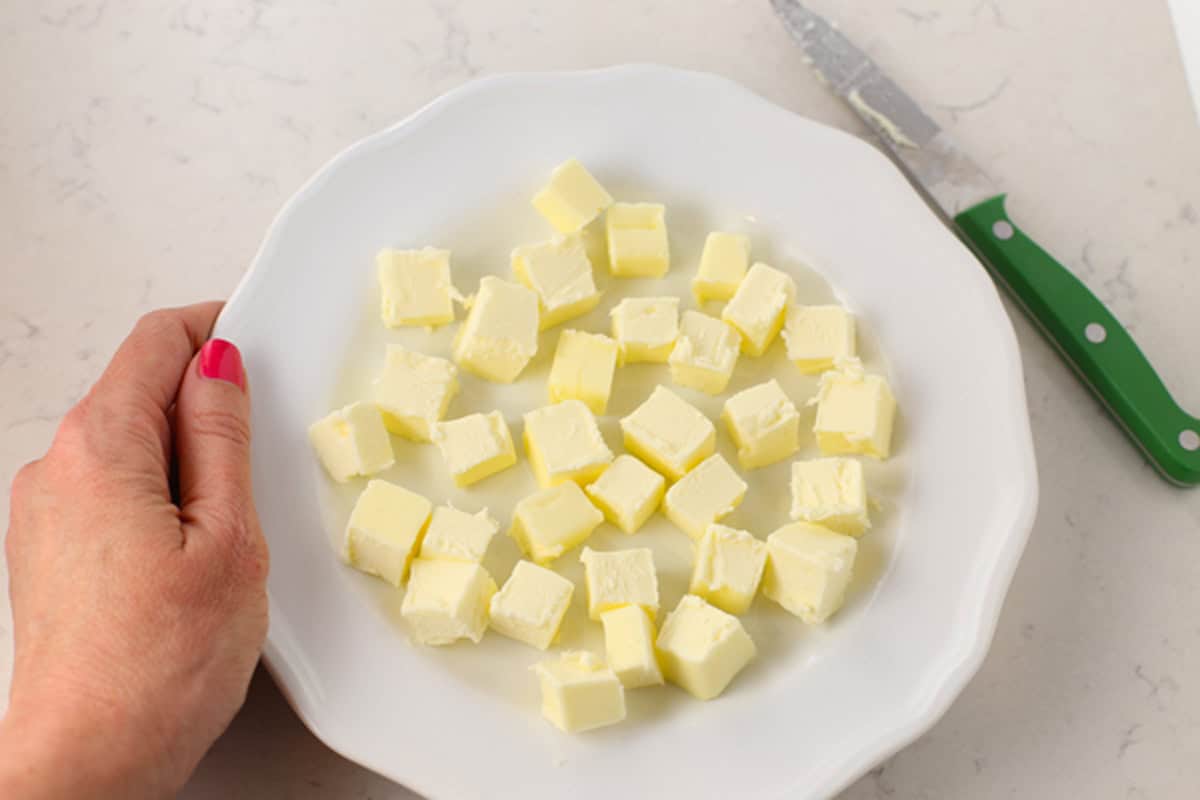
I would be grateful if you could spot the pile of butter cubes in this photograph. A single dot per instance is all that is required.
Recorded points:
(670, 460)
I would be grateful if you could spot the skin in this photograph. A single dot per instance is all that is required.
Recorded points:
(137, 576)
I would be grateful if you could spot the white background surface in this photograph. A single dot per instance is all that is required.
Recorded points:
(1186, 16)
(145, 146)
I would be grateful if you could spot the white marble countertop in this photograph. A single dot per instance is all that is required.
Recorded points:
(144, 147)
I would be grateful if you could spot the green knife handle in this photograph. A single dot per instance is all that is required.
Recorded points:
(1090, 337)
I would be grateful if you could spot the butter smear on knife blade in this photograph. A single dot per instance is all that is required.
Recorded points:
(881, 120)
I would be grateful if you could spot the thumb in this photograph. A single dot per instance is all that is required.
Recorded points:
(212, 443)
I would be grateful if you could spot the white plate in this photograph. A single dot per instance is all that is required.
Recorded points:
(821, 705)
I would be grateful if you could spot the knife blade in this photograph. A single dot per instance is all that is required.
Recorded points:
(1086, 333)
(923, 149)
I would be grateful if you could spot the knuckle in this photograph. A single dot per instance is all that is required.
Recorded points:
(73, 424)
(162, 322)
(93, 436)
(85, 429)
(25, 480)
(222, 424)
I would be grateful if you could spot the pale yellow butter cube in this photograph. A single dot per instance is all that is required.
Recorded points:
(385, 529)
(550, 522)
(705, 353)
(855, 412)
(455, 535)
(500, 334)
(729, 566)
(817, 337)
(668, 433)
(808, 569)
(415, 287)
(637, 240)
(629, 647)
(645, 328)
(620, 578)
(447, 601)
(831, 492)
(701, 648)
(758, 307)
(564, 444)
(708, 493)
(413, 391)
(723, 265)
(628, 492)
(572, 198)
(531, 605)
(560, 273)
(583, 369)
(764, 424)
(352, 441)
(579, 692)
(475, 447)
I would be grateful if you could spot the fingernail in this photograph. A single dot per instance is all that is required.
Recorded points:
(221, 360)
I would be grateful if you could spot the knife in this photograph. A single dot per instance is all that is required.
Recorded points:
(1085, 332)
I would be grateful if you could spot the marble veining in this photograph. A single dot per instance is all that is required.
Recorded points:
(145, 146)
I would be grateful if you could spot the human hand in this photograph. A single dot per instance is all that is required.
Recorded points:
(137, 573)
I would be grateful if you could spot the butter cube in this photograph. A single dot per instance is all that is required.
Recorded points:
(500, 334)
(475, 447)
(580, 693)
(629, 646)
(531, 606)
(701, 648)
(413, 391)
(722, 266)
(583, 369)
(729, 566)
(830, 492)
(550, 522)
(708, 493)
(808, 569)
(620, 578)
(415, 287)
(628, 492)
(763, 423)
(352, 441)
(705, 353)
(384, 531)
(668, 433)
(855, 412)
(455, 535)
(818, 336)
(560, 273)
(564, 443)
(758, 307)
(637, 240)
(646, 328)
(447, 601)
(572, 198)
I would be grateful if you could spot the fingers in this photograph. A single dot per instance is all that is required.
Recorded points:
(131, 399)
(152, 360)
(212, 448)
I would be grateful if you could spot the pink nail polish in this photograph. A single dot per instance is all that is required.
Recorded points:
(221, 360)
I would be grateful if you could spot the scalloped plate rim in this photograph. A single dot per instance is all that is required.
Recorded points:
(971, 647)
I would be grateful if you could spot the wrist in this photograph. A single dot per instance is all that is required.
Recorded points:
(46, 754)
(24, 761)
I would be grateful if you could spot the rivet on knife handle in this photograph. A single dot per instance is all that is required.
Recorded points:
(1093, 341)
